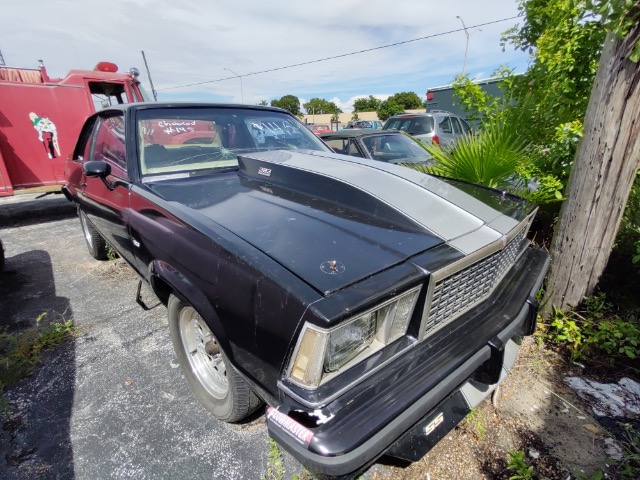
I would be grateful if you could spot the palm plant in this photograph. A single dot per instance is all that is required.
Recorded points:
(491, 157)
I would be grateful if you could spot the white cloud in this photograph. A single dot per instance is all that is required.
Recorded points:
(194, 43)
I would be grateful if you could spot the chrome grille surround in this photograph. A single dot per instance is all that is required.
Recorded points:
(457, 288)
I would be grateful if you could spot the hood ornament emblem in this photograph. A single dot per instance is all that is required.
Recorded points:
(332, 267)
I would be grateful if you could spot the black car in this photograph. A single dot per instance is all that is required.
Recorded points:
(368, 305)
(386, 146)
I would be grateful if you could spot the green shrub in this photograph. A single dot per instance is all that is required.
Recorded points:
(595, 331)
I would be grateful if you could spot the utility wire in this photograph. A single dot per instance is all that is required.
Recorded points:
(339, 56)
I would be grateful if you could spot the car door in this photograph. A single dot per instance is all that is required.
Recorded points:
(106, 201)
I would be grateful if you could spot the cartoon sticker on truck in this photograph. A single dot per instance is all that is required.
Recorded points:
(50, 140)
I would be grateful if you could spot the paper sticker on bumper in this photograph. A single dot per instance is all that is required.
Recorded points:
(297, 431)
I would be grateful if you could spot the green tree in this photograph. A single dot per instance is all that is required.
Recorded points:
(288, 102)
(369, 104)
(389, 108)
(263, 103)
(564, 40)
(408, 100)
(319, 106)
(580, 123)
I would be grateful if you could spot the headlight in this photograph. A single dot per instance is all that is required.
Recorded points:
(349, 340)
(320, 354)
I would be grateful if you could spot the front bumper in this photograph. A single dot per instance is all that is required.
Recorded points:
(404, 409)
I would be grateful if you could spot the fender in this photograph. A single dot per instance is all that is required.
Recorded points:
(188, 292)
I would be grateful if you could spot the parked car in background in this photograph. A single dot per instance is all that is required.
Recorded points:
(376, 124)
(317, 129)
(391, 146)
(438, 126)
(368, 305)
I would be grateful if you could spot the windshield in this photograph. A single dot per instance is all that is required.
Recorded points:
(411, 125)
(173, 140)
(396, 148)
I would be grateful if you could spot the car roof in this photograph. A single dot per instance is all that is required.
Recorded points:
(431, 113)
(159, 105)
(361, 132)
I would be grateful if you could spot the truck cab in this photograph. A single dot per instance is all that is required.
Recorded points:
(41, 117)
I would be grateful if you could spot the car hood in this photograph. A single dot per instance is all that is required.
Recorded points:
(334, 222)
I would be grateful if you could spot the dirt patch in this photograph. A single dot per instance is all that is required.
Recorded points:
(534, 412)
(117, 268)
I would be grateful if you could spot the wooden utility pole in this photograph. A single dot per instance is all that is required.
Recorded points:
(603, 173)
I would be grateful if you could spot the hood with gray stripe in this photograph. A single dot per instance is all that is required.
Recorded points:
(334, 222)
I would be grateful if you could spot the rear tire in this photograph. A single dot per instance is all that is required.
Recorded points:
(1, 257)
(218, 387)
(95, 243)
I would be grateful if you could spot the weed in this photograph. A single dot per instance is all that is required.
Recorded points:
(599, 475)
(475, 420)
(111, 253)
(275, 465)
(518, 464)
(20, 351)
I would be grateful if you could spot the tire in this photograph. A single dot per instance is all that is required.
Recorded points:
(217, 386)
(95, 243)
(1, 257)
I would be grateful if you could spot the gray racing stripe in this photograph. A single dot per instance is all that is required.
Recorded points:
(461, 221)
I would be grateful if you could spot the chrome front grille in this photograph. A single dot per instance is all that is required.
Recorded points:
(460, 291)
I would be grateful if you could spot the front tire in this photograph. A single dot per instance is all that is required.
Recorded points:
(95, 243)
(218, 387)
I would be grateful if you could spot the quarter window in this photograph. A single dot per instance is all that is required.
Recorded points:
(354, 151)
(465, 126)
(338, 145)
(456, 126)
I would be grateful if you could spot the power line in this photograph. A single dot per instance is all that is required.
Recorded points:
(338, 56)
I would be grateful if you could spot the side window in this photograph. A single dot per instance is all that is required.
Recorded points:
(465, 126)
(456, 126)
(109, 144)
(105, 94)
(353, 149)
(445, 125)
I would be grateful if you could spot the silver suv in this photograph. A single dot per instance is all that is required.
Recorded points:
(437, 126)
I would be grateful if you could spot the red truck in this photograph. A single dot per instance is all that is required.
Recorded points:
(41, 118)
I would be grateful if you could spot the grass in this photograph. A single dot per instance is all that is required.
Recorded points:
(20, 351)
(275, 464)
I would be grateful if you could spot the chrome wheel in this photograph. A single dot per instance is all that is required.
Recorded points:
(203, 353)
(95, 243)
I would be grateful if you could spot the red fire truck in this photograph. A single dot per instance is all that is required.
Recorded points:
(41, 117)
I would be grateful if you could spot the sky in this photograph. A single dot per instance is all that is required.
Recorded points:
(214, 50)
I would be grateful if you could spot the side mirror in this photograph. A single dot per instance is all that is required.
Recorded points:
(96, 169)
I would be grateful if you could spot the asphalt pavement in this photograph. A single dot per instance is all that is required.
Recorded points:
(110, 402)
